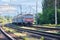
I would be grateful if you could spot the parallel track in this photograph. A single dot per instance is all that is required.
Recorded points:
(52, 35)
(46, 34)
(40, 27)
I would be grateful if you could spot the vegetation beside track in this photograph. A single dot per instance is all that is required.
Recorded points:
(25, 30)
(51, 25)
(18, 34)
(38, 29)
(14, 32)
(7, 29)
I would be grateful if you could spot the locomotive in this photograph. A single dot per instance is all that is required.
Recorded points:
(25, 19)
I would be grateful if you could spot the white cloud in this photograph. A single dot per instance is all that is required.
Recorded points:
(7, 9)
(9, 0)
(6, 0)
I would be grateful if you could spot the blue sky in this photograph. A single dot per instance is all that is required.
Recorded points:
(27, 5)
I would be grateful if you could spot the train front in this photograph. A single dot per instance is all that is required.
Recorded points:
(28, 19)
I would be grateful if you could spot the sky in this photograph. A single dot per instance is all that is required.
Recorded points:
(28, 6)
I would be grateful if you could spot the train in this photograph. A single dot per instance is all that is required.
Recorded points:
(25, 19)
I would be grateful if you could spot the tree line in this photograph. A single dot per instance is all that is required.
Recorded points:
(48, 17)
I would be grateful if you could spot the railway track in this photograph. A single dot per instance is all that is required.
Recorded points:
(40, 33)
(52, 35)
(40, 27)
(4, 35)
(47, 28)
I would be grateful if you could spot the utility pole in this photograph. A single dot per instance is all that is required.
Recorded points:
(56, 12)
(30, 9)
(21, 9)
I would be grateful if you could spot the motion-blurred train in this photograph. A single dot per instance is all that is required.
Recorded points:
(25, 19)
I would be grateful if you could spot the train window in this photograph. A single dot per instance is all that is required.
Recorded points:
(28, 16)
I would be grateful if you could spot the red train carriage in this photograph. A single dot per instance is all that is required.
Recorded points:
(28, 19)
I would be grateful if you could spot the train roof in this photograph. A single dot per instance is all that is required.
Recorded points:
(22, 15)
(28, 14)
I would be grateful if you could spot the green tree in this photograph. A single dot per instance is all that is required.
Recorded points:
(48, 18)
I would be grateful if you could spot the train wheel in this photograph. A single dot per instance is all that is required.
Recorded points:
(29, 24)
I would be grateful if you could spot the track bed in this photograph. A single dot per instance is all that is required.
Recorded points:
(2, 36)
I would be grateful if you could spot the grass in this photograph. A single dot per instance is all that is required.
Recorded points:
(10, 30)
(51, 25)
(28, 28)
(24, 35)
(20, 34)
(27, 38)
(54, 31)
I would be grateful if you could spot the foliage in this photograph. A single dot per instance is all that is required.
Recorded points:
(5, 19)
(48, 17)
(58, 16)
